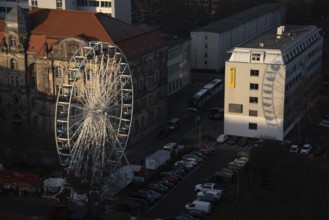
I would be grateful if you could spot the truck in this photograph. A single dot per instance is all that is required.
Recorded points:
(157, 159)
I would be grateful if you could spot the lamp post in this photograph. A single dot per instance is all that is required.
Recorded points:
(198, 125)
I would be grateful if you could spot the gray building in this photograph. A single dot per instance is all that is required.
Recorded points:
(210, 43)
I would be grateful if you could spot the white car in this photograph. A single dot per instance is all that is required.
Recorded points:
(221, 139)
(306, 149)
(294, 148)
(208, 186)
(324, 124)
(210, 193)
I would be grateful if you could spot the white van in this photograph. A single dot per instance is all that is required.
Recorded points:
(199, 205)
(174, 123)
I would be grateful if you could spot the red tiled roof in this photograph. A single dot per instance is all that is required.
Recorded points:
(37, 43)
(66, 23)
(50, 25)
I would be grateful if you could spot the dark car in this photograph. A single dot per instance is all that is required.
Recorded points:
(243, 141)
(216, 113)
(163, 133)
(232, 140)
(319, 151)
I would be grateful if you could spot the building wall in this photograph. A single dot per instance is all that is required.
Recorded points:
(286, 78)
(119, 9)
(237, 123)
(219, 42)
(6, 6)
(178, 65)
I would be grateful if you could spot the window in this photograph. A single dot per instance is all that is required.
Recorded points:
(15, 99)
(105, 4)
(254, 72)
(34, 103)
(59, 4)
(256, 56)
(14, 81)
(253, 99)
(236, 108)
(253, 86)
(253, 113)
(13, 64)
(252, 126)
(58, 71)
(12, 41)
(34, 3)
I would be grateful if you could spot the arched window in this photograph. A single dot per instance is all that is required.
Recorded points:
(12, 41)
(13, 64)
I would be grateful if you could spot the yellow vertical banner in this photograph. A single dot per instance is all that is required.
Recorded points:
(232, 77)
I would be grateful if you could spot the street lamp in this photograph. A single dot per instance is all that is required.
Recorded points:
(198, 124)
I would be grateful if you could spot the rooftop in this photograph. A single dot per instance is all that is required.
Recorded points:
(229, 23)
(289, 35)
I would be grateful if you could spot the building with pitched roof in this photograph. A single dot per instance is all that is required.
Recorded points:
(270, 81)
(119, 9)
(209, 44)
(35, 48)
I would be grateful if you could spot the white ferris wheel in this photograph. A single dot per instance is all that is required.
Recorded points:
(94, 109)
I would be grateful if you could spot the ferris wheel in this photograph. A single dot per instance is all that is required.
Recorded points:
(94, 109)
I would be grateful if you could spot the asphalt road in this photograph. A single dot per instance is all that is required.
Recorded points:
(178, 108)
(173, 203)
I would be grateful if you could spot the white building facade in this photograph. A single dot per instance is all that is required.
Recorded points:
(210, 43)
(264, 81)
(119, 9)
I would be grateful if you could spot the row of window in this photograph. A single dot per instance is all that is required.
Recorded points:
(300, 48)
(174, 52)
(238, 108)
(93, 3)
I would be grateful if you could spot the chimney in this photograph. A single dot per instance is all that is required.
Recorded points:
(279, 32)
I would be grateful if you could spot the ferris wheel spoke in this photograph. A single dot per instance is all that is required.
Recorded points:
(99, 111)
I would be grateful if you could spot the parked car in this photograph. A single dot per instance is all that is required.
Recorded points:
(173, 124)
(211, 200)
(203, 146)
(191, 161)
(324, 124)
(243, 141)
(210, 193)
(232, 140)
(163, 133)
(195, 213)
(216, 113)
(294, 148)
(209, 186)
(306, 149)
(185, 164)
(187, 156)
(221, 139)
(199, 154)
(319, 151)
